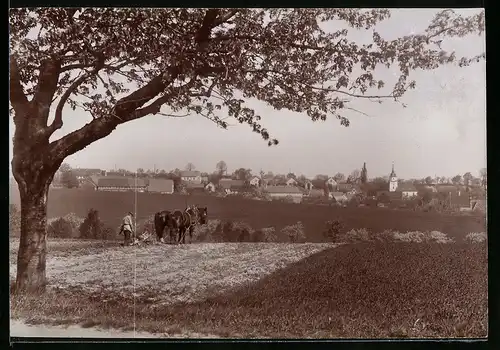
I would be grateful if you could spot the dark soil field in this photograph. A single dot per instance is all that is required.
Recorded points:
(360, 291)
(113, 205)
(363, 290)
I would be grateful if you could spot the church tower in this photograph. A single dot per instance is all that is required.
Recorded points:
(393, 180)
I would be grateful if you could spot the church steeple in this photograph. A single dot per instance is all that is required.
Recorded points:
(393, 180)
(393, 173)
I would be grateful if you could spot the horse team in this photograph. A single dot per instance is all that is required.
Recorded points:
(180, 222)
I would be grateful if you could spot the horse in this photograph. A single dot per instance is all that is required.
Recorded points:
(164, 219)
(188, 220)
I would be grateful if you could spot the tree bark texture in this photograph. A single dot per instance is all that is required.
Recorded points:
(31, 274)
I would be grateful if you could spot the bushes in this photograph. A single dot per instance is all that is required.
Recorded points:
(295, 232)
(476, 237)
(237, 231)
(421, 237)
(360, 235)
(266, 234)
(232, 231)
(64, 227)
(205, 233)
(60, 228)
(332, 230)
(93, 228)
(68, 226)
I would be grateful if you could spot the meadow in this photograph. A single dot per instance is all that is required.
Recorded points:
(112, 206)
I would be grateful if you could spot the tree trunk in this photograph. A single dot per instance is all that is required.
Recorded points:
(31, 275)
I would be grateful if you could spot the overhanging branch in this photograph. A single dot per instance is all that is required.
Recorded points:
(58, 122)
(126, 109)
(154, 107)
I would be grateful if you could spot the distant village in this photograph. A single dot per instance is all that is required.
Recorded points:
(460, 193)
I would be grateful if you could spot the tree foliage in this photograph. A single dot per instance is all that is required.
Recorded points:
(243, 174)
(364, 174)
(484, 177)
(69, 179)
(64, 167)
(221, 167)
(467, 178)
(354, 177)
(456, 179)
(190, 167)
(121, 64)
(93, 227)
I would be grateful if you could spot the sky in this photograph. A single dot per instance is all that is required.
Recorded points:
(442, 131)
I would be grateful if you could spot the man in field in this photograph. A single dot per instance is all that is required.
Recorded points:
(127, 229)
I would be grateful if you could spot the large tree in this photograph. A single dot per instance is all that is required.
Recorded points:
(123, 64)
(339, 177)
(69, 179)
(364, 174)
(221, 167)
(467, 178)
(483, 173)
(242, 174)
(189, 167)
(457, 179)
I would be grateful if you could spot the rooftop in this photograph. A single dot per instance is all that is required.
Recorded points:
(188, 173)
(229, 183)
(160, 185)
(282, 189)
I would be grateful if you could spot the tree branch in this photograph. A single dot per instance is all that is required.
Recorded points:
(212, 19)
(48, 79)
(18, 98)
(58, 122)
(208, 23)
(154, 107)
(126, 109)
(207, 93)
(226, 16)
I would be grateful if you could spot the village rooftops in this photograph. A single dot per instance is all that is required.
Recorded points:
(231, 184)
(344, 187)
(449, 188)
(82, 172)
(406, 187)
(161, 185)
(283, 189)
(188, 173)
(194, 186)
(316, 193)
(337, 194)
(120, 182)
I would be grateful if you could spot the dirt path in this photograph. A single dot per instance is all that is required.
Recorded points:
(21, 329)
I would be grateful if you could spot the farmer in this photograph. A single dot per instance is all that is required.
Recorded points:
(127, 229)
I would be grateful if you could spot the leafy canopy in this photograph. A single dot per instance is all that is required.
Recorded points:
(125, 63)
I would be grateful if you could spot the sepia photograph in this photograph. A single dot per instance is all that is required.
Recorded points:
(247, 173)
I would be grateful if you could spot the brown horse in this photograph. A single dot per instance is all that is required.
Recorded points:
(188, 220)
(164, 220)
